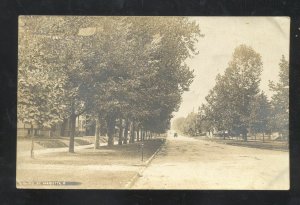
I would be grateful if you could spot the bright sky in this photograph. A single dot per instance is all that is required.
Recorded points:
(268, 36)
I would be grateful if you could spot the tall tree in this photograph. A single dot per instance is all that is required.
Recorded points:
(40, 85)
(178, 124)
(280, 99)
(57, 53)
(117, 67)
(230, 99)
(147, 69)
(187, 125)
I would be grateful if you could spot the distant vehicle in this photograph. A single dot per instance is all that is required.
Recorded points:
(175, 135)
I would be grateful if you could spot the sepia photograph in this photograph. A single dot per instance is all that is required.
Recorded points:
(153, 102)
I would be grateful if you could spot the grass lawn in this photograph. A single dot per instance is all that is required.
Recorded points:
(107, 167)
(268, 144)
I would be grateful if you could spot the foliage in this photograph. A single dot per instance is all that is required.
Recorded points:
(280, 99)
(40, 86)
(228, 103)
(260, 114)
(109, 67)
(186, 125)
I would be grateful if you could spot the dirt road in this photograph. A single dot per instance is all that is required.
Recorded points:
(187, 163)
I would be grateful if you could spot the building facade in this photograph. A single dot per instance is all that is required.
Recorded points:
(85, 125)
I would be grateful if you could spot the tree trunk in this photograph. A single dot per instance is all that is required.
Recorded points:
(73, 124)
(132, 132)
(72, 135)
(63, 127)
(245, 136)
(52, 131)
(120, 132)
(138, 135)
(69, 127)
(102, 128)
(78, 124)
(142, 135)
(263, 137)
(97, 134)
(32, 142)
(111, 123)
(31, 131)
(126, 131)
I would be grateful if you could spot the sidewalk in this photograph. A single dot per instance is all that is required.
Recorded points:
(50, 150)
(57, 150)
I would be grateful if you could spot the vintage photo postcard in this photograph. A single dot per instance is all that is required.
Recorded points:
(123, 102)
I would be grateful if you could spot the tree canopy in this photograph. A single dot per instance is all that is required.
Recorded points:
(111, 67)
(280, 99)
(236, 105)
(228, 103)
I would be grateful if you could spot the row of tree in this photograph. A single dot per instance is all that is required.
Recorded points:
(123, 71)
(236, 105)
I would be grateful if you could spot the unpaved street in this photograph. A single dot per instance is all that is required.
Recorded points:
(187, 163)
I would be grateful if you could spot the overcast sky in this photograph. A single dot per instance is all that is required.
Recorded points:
(268, 36)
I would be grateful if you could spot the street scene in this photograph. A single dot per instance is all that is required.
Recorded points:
(124, 102)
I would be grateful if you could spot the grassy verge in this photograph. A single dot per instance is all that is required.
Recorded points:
(51, 143)
(270, 145)
(24, 144)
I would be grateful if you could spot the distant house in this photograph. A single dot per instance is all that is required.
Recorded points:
(84, 126)
(24, 129)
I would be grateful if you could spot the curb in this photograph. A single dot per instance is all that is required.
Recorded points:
(145, 165)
